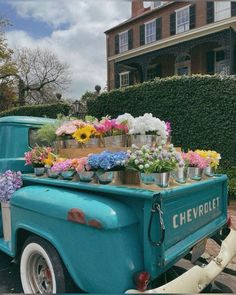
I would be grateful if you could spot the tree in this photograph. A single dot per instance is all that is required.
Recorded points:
(8, 71)
(41, 75)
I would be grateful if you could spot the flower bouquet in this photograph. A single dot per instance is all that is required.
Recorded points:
(83, 170)
(36, 157)
(112, 132)
(49, 162)
(66, 168)
(106, 163)
(196, 164)
(9, 182)
(154, 163)
(147, 130)
(213, 159)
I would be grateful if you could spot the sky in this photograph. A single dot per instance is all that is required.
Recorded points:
(72, 29)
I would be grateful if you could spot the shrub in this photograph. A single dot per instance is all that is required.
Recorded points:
(46, 110)
(201, 109)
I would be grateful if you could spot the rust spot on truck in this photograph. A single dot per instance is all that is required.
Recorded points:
(95, 223)
(76, 215)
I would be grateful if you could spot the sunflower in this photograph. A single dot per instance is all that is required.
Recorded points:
(82, 134)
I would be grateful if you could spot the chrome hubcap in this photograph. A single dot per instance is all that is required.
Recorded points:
(39, 274)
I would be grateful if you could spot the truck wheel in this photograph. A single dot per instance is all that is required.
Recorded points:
(41, 268)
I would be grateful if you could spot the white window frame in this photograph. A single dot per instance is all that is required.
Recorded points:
(218, 13)
(225, 62)
(186, 23)
(125, 46)
(122, 75)
(183, 64)
(146, 24)
(158, 5)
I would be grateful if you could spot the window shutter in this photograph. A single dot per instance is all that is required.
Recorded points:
(192, 16)
(130, 39)
(233, 8)
(117, 49)
(158, 28)
(142, 34)
(234, 60)
(173, 24)
(210, 12)
(210, 62)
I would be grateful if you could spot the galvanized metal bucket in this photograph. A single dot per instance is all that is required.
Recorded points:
(115, 141)
(195, 173)
(140, 140)
(162, 179)
(147, 178)
(209, 171)
(6, 220)
(105, 177)
(39, 171)
(52, 174)
(86, 176)
(180, 175)
(67, 175)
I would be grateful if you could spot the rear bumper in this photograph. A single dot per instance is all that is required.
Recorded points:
(197, 278)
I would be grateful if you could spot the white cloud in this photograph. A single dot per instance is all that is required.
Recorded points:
(82, 44)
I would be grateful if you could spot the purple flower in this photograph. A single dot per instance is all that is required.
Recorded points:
(9, 182)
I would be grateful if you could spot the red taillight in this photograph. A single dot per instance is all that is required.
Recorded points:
(229, 221)
(141, 280)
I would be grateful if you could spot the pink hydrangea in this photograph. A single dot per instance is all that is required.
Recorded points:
(62, 166)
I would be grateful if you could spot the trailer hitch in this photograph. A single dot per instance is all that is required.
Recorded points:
(156, 209)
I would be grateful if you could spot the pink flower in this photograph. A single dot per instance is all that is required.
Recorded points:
(195, 160)
(82, 165)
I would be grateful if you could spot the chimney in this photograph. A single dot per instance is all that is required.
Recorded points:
(137, 8)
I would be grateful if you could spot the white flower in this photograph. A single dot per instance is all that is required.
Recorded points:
(126, 118)
(136, 162)
(146, 166)
(140, 167)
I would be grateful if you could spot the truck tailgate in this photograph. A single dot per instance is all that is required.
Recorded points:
(190, 213)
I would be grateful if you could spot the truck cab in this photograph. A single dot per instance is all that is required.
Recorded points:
(106, 238)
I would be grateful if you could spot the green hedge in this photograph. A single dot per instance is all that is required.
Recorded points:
(201, 109)
(46, 110)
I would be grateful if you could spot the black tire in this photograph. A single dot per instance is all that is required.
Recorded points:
(41, 268)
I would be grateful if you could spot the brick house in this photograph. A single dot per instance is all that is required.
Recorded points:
(172, 38)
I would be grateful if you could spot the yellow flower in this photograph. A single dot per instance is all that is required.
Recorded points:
(82, 134)
(212, 156)
(49, 161)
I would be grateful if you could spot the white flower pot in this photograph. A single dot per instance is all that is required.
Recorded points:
(6, 221)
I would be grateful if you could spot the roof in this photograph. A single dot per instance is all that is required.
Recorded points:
(144, 14)
(26, 120)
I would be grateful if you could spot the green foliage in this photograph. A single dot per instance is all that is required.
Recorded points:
(46, 110)
(231, 173)
(201, 109)
(46, 134)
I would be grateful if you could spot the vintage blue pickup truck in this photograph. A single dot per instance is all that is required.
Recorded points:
(107, 238)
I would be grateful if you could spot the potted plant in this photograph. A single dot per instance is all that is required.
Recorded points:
(213, 159)
(112, 133)
(9, 182)
(36, 157)
(106, 163)
(148, 130)
(84, 170)
(49, 161)
(154, 164)
(66, 168)
(196, 164)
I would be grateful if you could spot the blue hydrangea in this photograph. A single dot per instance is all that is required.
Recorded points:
(9, 182)
(107, 160)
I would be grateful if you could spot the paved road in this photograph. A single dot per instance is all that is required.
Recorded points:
(10, 282)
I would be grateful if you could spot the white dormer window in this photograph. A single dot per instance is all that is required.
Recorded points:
(150, 32)
(123, 41)
(222, 10)
(156, 4)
